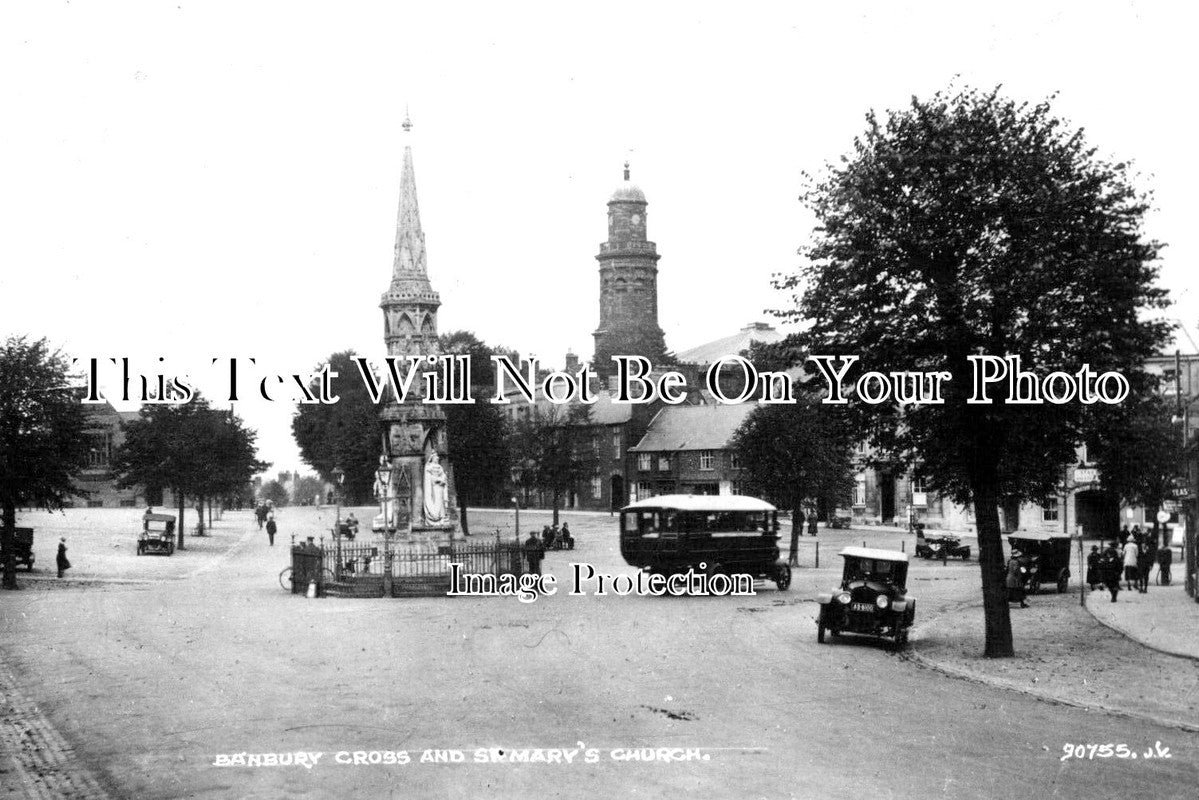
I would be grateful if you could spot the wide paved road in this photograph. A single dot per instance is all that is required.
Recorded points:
(152, 683)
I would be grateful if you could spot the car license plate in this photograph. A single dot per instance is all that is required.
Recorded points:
(866, 607)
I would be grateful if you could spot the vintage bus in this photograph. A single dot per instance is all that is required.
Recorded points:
(729, 534)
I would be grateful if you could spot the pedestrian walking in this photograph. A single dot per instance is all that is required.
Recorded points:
(1109, 569)
(61, 558)
(271, 528)
(1145, 559)
(812, 524)
(1131, 552)
(1165, 557)
(1094, 577)
(534, 552)
(1015, 582)
(260, 514)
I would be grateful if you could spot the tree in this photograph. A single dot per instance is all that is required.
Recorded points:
(542, 444)
(971, 224)
(307, 488)
(346, 434)
(190, 448)
(1139, 451)
(42, 442)
(478, 450)
(791, 454)
(275, 492)
(229, 458)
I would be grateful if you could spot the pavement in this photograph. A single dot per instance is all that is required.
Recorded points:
(149, 686)
(1165, 618)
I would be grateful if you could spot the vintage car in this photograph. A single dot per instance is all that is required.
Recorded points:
(873, 598)
(710, 533)
(943, 545)
(157, 536)
(1044, 557)
(22, 548)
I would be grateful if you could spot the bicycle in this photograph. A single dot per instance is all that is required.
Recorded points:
(286, 579)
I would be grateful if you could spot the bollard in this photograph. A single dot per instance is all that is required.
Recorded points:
(817, 555)
(311, 590)
(863, 544)
(903, 546)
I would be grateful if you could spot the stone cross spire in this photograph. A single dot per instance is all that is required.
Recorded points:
(421, 498)
(410, 239)
(409, 304)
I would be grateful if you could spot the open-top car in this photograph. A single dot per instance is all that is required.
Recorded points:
(157, 536)
(943, 545)
(873, 598)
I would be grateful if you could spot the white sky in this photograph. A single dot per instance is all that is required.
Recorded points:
(191, 180)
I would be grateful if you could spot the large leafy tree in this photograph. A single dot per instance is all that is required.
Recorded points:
(964, 224)
(42, 442)
(190, 448)
(544, 446)
(1139, 450)
(344, 435)
(792, 454)
(229, 458)
(478, 450)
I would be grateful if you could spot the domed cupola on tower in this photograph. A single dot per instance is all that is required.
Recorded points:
(628, 284)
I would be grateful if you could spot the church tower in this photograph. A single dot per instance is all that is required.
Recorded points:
(420, 495)
(628, 284)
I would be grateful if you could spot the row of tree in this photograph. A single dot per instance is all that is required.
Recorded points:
(192, 449)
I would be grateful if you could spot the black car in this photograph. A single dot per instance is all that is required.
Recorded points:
(873, 598)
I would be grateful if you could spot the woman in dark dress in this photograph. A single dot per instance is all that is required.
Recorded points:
(1094, 578)
(1110, 565)
(61, 558)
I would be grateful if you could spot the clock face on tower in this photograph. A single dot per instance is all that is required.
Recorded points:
(636, 219)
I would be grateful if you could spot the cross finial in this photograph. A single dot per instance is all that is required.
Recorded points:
(407, 126)
(626, 169)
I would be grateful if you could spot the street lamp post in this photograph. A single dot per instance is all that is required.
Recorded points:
(516, 508)
(384, 474)
(339, 478)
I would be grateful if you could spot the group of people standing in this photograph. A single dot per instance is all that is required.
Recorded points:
(1131, 557)
(535, 546)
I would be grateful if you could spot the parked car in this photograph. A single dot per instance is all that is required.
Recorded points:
(944, 545)
(157, 536)
(22, 548)
(1044, 556)
(872, 599)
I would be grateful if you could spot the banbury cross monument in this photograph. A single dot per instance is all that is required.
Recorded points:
(420, 497)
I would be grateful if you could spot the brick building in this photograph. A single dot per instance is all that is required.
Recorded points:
(686, 450)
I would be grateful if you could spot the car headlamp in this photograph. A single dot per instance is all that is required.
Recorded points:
(881, 601)
(843, 598)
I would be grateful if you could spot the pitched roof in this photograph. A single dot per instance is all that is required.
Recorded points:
(708, 427)
(710, 352)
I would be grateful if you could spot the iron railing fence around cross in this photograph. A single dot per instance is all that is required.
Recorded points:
(417, 568)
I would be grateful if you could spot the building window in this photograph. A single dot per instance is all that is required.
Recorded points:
(644, 490)
(917, 484)
(707, 459)
(859, 496)
(595, 445)
(663, 463)
(616, 444)
(736, 488)
(735, 460)
(597, 487)
(99, 450)
(1049, 510)
(645, 462)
